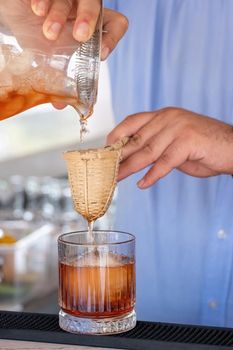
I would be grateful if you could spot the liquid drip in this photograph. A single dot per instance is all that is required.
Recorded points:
(83, 123)
(83, 129)
(90, 236)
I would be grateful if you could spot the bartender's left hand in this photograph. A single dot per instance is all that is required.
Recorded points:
(174, 138)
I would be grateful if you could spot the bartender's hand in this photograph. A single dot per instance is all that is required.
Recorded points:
(174, 138)
(85, 12)
(33, 22)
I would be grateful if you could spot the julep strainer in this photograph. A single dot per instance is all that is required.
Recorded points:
(87, 69)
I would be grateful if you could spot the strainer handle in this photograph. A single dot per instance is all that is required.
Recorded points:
(119, 143)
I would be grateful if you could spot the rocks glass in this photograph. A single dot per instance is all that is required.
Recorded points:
(97, 282)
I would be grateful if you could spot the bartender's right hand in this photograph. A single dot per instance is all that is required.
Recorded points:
(85, 13)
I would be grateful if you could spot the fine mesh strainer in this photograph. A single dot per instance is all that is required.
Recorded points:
(92, 175)
(87, 63)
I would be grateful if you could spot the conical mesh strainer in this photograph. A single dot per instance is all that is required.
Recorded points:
(92, 176)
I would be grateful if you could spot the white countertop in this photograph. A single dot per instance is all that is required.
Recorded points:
(25, 345)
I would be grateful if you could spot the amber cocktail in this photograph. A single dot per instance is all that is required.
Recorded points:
(97, 282)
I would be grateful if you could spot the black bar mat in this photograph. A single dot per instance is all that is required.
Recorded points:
(145, 336)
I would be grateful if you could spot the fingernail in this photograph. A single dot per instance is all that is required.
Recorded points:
(82, 31)
(141, 183)
(104, 53)
(41, 8)
(54, 30)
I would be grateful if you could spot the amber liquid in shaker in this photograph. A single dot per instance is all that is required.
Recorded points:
(17, 102)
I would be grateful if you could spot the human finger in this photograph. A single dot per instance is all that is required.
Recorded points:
(40, 7)
(87, 16)
(59, 105)
(114, 25)
(173, 157)
(147, 155)
(56, 18)
(154, 129)
(195, 168)
(129, 126)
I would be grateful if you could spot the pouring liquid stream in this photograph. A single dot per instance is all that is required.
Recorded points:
(83, 128)
(91, 240)
(90, 236)
(83, 123)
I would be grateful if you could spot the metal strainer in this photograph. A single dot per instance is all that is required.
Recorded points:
(92, 175)
(87, 65)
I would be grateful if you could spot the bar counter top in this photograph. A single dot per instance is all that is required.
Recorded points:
(26, 345)
(26, 331)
